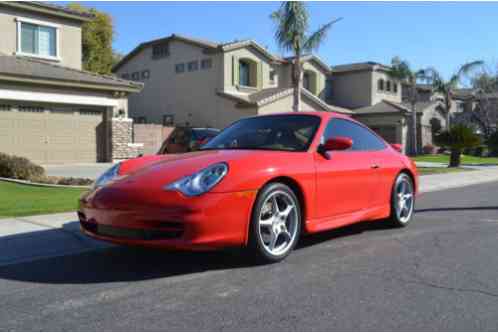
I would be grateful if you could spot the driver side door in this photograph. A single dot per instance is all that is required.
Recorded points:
(345, 181)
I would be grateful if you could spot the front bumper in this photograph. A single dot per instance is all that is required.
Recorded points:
(209, 221)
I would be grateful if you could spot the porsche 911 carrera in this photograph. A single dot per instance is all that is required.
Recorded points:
(261, 184)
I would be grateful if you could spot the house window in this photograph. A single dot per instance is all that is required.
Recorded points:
(168, 120)
(34, 109)
(395, 87)
(306, 80)
(135, 76)
(272, 76)
(388, 85)
(206, 63)
(125, 76)
(145, 74)
(380, 84)
(244, 73)
(179, 68)
(160, 50)
(37, 38)
(5, 107)
(193, 66)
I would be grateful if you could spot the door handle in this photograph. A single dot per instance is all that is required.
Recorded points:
(374, 166)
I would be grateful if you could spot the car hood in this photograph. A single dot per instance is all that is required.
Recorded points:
(149, 172)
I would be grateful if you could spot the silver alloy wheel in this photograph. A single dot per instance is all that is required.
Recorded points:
(404, 200)
(278, 223)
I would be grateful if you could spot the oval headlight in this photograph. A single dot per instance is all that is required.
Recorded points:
(201, 181)
(109, 175)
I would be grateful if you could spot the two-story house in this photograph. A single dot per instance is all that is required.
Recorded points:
(202, 83)
(379, 101)
(52, 111)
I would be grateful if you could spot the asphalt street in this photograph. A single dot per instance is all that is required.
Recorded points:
(439, 273)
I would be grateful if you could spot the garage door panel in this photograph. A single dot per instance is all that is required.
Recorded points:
(61, 136)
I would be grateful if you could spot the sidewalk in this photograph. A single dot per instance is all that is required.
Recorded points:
(437, 182)
(37, 237)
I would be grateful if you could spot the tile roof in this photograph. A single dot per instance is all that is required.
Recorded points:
(270, 95)
(360, 66)
(50, 8)
(382, 107)
(226, 46)
(22, 67)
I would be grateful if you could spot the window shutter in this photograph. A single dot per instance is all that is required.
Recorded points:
(259, 81)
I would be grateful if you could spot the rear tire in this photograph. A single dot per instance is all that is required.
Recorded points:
(402, 201)
(275, 223)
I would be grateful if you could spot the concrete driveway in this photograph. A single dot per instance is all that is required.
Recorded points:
(80, 170)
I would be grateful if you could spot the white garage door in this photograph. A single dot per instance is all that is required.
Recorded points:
(50, 136)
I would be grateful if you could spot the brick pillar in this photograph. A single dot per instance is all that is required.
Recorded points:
(122, 146)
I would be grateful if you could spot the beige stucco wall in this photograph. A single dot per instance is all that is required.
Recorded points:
(189, 96)
(69, 34)
(351, 90)
(378, 96)
(320, 77)
(246, 53)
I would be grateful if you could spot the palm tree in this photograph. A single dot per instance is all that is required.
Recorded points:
(292, 35)
(447, 88)
(401, 70)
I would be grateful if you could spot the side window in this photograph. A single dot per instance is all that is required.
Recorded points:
(362, 138)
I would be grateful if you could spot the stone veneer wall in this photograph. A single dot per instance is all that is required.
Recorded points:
(122, 146)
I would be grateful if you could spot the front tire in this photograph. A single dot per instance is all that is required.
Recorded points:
(275, 223)
(402, 201)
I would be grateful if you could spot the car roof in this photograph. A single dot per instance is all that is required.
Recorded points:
(321, 114)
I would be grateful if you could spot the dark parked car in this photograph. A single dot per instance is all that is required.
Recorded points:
(187, 139)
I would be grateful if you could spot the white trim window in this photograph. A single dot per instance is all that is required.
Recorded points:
(38, 39)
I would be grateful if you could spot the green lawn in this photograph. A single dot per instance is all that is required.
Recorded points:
(465, 159)
(431, 171)
(24, 200)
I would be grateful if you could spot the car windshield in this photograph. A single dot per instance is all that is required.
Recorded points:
(276, 132)
(204, 133)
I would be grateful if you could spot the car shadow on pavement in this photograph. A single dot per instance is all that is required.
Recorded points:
(447, 209)
(121, 264)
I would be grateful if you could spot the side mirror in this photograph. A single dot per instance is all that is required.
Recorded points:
(337, 143)
(397, 147)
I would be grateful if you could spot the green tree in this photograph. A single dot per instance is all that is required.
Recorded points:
(447, 88)
(456, 139)
(292, 24)
(401, 70)
(97, 37)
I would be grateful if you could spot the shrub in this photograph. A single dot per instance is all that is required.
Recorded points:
(74, 181)
(429, 149)
(456, 139)
(19, 168)
(493, 144)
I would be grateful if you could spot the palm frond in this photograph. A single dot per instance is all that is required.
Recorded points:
(469, 67)
(316, 38)
(400, 70)
(292, 23)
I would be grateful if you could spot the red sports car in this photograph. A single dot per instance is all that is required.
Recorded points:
(260, 184)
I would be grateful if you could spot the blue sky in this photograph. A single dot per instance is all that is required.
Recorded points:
(443, 35)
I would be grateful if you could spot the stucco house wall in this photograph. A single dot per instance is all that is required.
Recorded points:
(351, 90)
(69, 34)
(183, 95)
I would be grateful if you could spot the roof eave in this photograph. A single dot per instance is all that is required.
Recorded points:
(73, 84)
(40, 9)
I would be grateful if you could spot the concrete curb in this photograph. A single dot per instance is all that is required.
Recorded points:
(25, 182)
